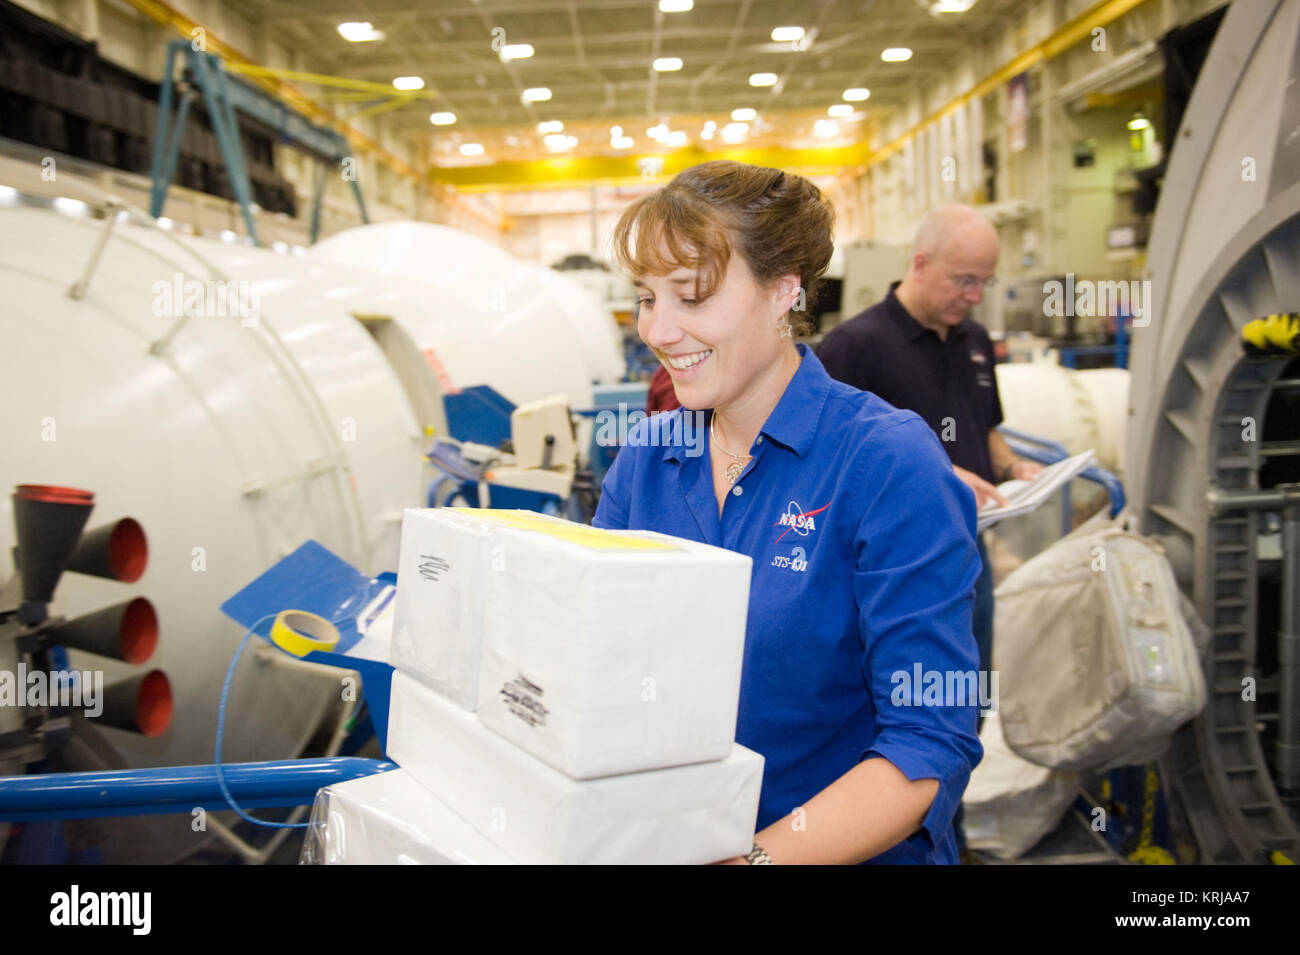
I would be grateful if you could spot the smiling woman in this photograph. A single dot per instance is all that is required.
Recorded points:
(861, 536)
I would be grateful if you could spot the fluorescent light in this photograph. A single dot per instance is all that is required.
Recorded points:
(666, 64)
(706, 133)
(408, 83)
(675, 6)
(71, 207)
(559, 141)
(536, 94)
(471, 149)
(787, 34)
(615, 131)
(1138, 123)
(516, 51)
(841, 109)
(826, 128)
(762, 79)
(655, 132)
(621, 142)
(675, 138)
(896, 54)
(735, 132)
(355, 32)
(744, 114)
(442, 119)
(710, 126)
(951, 6)
(550, 126)
(857, 94)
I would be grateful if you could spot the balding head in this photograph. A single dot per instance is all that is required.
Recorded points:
(947, 226)
(954, 252)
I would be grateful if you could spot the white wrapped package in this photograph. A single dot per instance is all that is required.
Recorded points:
(1012, 803)
(611, 652)
(686, 815)
(442, 573)
(390, 819)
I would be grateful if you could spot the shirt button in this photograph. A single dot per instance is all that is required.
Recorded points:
(737, 490)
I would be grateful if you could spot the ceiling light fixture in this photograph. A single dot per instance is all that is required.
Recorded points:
(355, 32)
(857, 94)
(826, 128)
(667, 64)
(536, 94)
(550, 126)
(442, 119)
(675, 6)
(951, 6)
(762, 79)
(896, 54)
(787, 34)
(471, 149)
(841, 110)
(516, 51)
(621, 142)
(408, 83)
(744, 114)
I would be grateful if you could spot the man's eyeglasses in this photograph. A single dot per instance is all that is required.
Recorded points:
(971, 282)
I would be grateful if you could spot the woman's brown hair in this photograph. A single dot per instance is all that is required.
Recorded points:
(778, 222)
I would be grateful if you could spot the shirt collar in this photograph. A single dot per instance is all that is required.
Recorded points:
(911, 327)
(793, 422)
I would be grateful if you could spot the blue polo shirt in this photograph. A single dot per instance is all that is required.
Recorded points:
(864, 557)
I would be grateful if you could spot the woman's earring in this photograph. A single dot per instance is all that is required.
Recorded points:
(783, 326)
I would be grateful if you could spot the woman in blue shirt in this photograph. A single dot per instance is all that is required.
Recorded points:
(860, 671)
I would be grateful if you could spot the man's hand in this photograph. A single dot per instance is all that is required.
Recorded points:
(984, 491)
(1025, 470)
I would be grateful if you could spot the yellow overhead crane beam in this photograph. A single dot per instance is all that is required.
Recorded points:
(276, 83)
(562, 172)
(1062, 39)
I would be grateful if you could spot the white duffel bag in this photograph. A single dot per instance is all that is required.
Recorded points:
(1097, 666)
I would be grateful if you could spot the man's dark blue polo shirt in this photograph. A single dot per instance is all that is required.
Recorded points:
(864, 556)
(948, 382)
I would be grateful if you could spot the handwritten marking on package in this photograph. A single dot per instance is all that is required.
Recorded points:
(524, 699)
(431, 567)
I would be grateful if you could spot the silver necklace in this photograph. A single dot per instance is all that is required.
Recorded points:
(737, 460)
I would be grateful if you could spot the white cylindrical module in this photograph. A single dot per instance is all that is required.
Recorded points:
(222, 436)
(490, 319)
(1080, 409)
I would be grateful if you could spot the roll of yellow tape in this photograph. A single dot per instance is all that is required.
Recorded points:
(299, 632)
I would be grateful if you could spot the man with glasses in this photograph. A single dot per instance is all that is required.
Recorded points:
(919, 349)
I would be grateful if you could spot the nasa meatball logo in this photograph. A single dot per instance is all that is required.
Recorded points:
(798, 520)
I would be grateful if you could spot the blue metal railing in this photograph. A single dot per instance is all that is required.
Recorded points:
(138, 792)
(1046, 451)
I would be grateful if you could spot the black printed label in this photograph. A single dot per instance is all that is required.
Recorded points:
(524, 699)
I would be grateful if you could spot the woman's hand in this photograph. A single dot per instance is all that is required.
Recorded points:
(984, 491)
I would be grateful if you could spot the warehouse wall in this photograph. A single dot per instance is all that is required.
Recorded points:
(1051, 216)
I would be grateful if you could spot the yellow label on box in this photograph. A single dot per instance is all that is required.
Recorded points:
(580, 534)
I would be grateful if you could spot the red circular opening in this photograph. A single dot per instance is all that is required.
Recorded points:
(128, 551)
(153, 703)
(138, 631)
(53, 494)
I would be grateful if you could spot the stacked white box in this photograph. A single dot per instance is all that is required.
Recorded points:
(442, 574)
(391, 819)
(608, 653)
(692, 814)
